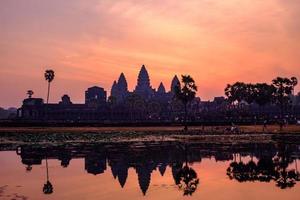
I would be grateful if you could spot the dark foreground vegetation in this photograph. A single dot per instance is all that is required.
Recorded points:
(213, 134)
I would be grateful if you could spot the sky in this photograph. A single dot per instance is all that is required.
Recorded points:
(91, 42)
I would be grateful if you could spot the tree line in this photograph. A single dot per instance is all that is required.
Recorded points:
(279, 93)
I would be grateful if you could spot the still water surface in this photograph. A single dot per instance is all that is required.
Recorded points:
(151, 171)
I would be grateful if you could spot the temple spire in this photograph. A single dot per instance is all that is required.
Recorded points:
(122, 84)
(175, 83)
(143, 87)
(143, 78)
(161, 88)
(114, 89)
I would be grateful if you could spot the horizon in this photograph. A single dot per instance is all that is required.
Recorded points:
(90, 43)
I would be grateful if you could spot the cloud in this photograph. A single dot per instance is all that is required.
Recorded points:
(91, 42)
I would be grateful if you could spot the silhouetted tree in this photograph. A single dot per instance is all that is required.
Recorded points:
(30, 93)
(49, 77)
(283, 89)
(249, 93)
(236, 92)
(263, 93)
(186, 94)
(294, 81)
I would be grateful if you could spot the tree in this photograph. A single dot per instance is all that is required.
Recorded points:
(294, 81)
(30, 93)
(249, 92)
(263, 93)
(186, 94)
(49, 76)
(238, 92)
(283, 89)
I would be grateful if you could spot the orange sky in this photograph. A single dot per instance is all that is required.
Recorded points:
(91, 42)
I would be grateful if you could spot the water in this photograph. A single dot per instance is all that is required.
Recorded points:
(151, 171)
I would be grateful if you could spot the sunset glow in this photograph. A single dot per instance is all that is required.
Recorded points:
(91, 42)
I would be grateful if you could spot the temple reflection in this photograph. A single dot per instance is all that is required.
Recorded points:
(248, 162)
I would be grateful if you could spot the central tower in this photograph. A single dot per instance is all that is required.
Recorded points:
(143, 87)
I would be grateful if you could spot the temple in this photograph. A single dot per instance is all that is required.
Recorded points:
(143, 88)
(143, 103)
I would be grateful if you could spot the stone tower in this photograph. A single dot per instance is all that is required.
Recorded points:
(122, 84)
(161, 89)
(143, 87)
(119, 90)
(114, 89)
(174, 84)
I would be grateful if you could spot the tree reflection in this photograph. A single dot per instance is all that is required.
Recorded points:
(187, 180)
(266, 169)
(186, 177)
(48, 188)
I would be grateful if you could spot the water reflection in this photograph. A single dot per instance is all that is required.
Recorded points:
(186, 177)
(48, 188)
(249, 162)
(269, 167)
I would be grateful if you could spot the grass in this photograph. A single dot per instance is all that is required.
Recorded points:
(170, 129)
(210, 134)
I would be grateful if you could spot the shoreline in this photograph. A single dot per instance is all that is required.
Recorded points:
(242, 129)
(14, 136)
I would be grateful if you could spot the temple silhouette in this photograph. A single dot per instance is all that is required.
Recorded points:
(143, 103)
(146, 104)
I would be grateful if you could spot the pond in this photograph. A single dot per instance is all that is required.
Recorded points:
(150, 170)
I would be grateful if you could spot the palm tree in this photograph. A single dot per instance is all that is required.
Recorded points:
(186, 94)
(30, 93)
(49, 76)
